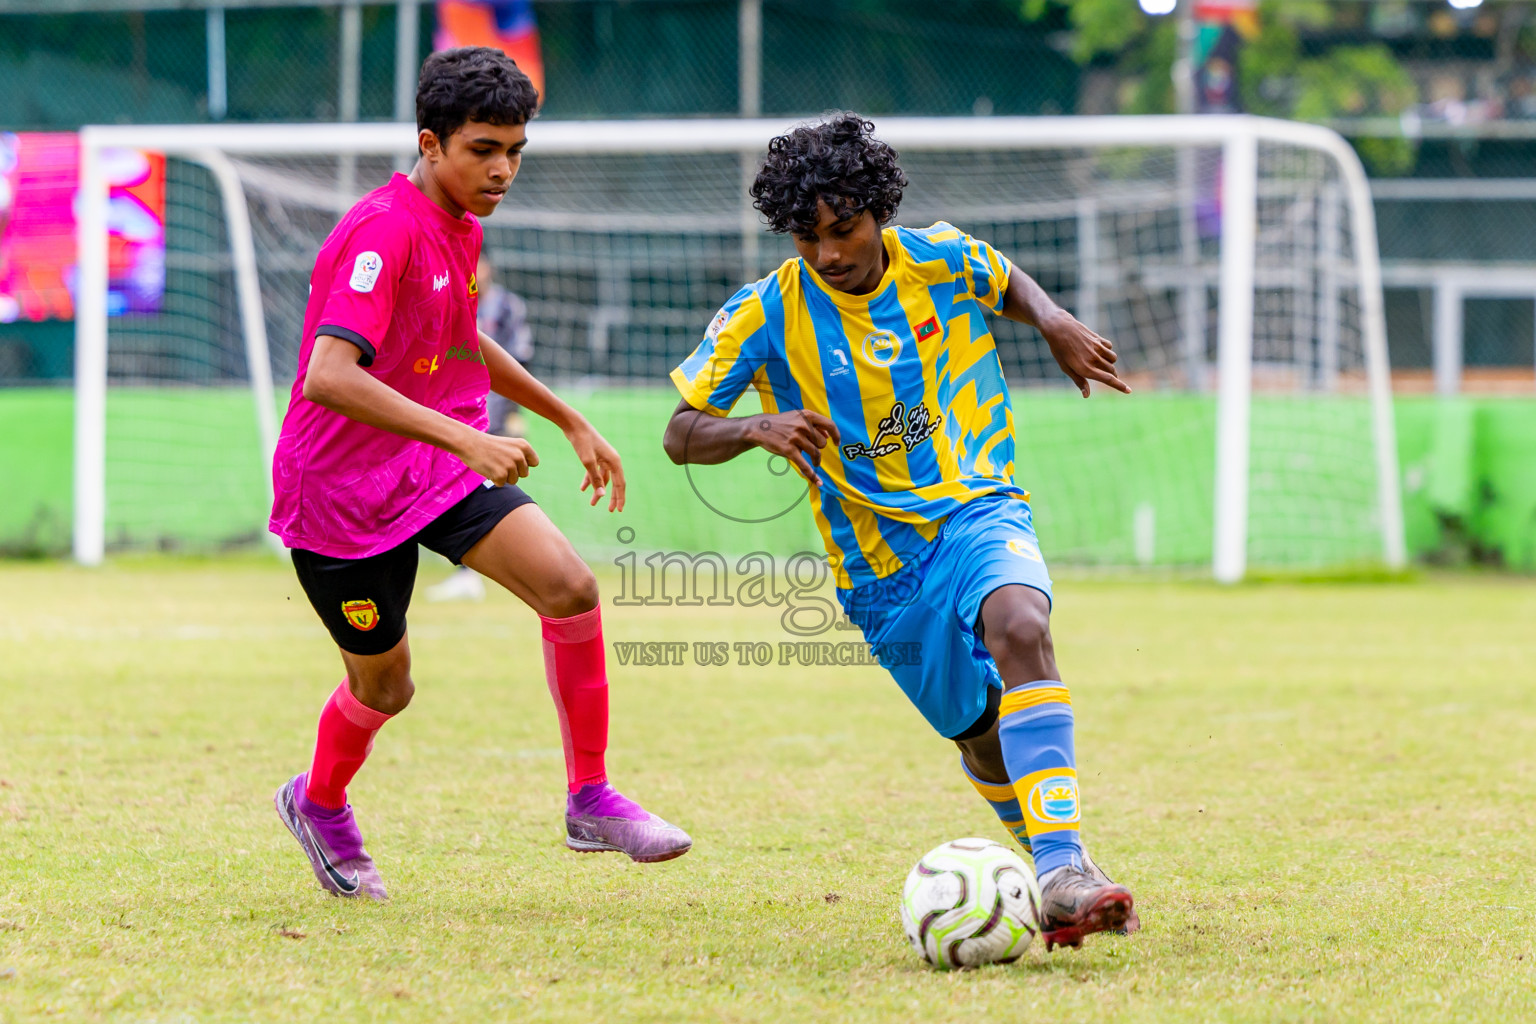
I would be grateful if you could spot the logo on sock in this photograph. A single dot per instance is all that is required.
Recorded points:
(1053, 800)
(362, 614)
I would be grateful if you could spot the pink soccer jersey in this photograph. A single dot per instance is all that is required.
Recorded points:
(395, 278)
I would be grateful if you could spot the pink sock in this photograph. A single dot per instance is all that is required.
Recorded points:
(345, 737)
(575, 668)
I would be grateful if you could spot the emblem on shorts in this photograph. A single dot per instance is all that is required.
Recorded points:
(1054, 800)
(1024, 549)
(362, 614)
(881, 347)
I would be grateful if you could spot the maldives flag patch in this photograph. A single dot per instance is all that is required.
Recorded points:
(928, 328)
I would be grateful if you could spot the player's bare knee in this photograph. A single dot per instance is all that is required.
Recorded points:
(388, 687)
(392, 692)
(575, 594)
(1022, 636)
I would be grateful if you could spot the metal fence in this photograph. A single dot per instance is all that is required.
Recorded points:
(1458, 251)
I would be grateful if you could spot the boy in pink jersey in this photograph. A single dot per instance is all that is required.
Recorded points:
(383, 448)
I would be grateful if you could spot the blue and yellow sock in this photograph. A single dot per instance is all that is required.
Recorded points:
(1035, 728)
(1005, 803)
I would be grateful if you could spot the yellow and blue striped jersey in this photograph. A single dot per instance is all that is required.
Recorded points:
(909, 373)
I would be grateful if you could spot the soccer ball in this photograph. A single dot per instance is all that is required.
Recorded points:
(970, 902)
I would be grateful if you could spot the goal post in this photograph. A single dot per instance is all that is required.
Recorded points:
(1122, 207)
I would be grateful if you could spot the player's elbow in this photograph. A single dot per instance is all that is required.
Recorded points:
(317, 387)
(675, 440)
(322, 385)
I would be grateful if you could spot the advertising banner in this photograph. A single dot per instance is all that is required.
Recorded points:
(39, 179)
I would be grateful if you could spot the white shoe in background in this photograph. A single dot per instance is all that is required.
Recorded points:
(464, 585)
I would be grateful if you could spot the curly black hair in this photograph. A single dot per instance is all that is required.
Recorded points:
(838, 160)
(472, 83)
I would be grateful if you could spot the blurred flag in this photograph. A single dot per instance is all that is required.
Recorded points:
(507, 25)
(1242, 15)
(1221, 28)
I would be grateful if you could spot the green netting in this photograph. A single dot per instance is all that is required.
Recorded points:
(602, 59)
(59, 71)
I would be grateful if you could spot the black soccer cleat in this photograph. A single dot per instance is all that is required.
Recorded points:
(1075, 904)
(1133, 922)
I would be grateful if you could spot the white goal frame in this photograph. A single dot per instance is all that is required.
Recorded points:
(1237, 135)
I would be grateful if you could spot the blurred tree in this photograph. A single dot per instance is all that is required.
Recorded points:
(1277, 75)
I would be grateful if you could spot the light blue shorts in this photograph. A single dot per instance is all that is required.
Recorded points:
(921, 620)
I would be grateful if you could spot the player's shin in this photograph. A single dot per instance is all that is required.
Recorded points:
(576, 670)
(1035, 729)
(1004, 803)
(343, 740)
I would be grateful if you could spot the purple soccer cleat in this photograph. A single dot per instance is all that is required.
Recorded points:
(600, 818)
(331, 841)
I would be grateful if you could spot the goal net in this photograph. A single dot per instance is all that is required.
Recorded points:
(1231, 260)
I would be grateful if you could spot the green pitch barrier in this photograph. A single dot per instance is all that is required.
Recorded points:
(1114, 481)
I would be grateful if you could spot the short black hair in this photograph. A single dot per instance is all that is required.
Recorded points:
(472, 83)
(838, 160)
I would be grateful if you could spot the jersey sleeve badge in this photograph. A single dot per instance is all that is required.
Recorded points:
(365, 271)
(717, 325)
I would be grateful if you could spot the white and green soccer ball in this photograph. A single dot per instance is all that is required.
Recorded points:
(970, 902)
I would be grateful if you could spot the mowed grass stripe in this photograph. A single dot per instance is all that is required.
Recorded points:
(1320, 794)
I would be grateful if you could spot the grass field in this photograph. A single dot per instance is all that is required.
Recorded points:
(1321, 794)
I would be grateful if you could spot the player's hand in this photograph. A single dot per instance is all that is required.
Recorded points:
(605, 472)
(798, 436)
(1081, 354)
(501, 460)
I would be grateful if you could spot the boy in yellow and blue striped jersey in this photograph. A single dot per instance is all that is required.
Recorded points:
(875, 342)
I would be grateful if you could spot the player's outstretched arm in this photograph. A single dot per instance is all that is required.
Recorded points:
(333, 379)
(1081, 354)
(510, 379)
(799, 436)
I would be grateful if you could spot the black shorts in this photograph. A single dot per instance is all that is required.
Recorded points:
(363, 601)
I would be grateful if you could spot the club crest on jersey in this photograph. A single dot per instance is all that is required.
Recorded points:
(365, 271)
(474, 286)
(1024, 549)
(928, 328)
(881, 347)
(364, 614)
(1053, 800)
